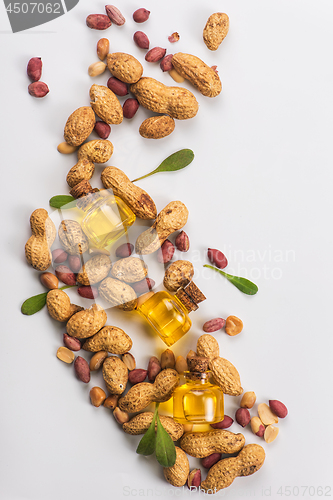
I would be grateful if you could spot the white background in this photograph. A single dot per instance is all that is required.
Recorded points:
(259, 189)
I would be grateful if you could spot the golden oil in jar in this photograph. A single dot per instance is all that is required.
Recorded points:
(198, 401)
(166, 314)
(106, 219)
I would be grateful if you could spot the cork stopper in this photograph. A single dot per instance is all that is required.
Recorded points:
(189, 304)
(197, 364)
(81, 189)
(190, 296)
(194, 292)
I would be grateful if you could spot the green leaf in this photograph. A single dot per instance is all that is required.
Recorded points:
(242, 284)
(34, 304)
(147, 443)
(165, 447)
(60, 200)
(176, 161)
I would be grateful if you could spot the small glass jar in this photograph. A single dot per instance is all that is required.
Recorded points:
(106, 217)
(167, 315)
(199, 400)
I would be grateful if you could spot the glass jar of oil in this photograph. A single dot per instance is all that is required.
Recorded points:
(167, 315)
(199, 400)
(106, 217)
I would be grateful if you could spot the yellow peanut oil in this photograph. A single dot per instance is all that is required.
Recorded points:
(198, 401)
(106, 220)
(166, 315)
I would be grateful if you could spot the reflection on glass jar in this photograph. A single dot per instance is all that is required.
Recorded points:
(166, 315)
(199, 400)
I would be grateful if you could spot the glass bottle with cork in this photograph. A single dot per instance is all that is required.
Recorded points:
(105, 216)
(168, 314)
(199, 400)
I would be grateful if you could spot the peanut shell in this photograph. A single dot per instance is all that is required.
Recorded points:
(72, 238)
(124, 67)
(178, 274)
(59, 305)
(216, 30)
(141, 422)
(94, 270)
(129, 270)
(97, 151)
(157, 127)
(37, 248)
(226, 376)
(222, 474)
(140, 395)
(79, 126)
(203, 444)
(178, 473)
(208, 346)
(82, 171)
(118, 293)
(204, 78)
(136, 198)
(105, 104)
(176, 102)
(170, 219)
(86, 323)
(111, 339)
(115, 375)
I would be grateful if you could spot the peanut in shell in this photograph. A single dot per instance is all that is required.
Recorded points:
(203, 444)
(72, 238)
(157, 127)
(202, 76)
(216, 30)
(82, 171)
(136, 198)
(118, 294)
(59, 305)
(129, 270)
(94, 270)
(79, 126)
(124, 67)
(170, 219)
(140, 395)
(141, 422)
(177, 102)
(178, 274)
(97, 151)
(111, 339)
(86, 323)
(222, 474)
(106, 104)
(37, 248)
(115, 375)
(177, 474)
(226, 376)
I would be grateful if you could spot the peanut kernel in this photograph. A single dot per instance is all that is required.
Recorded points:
(97, 360)
(176, 76)
(65, 355)
(97, 396)
(233, 325)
